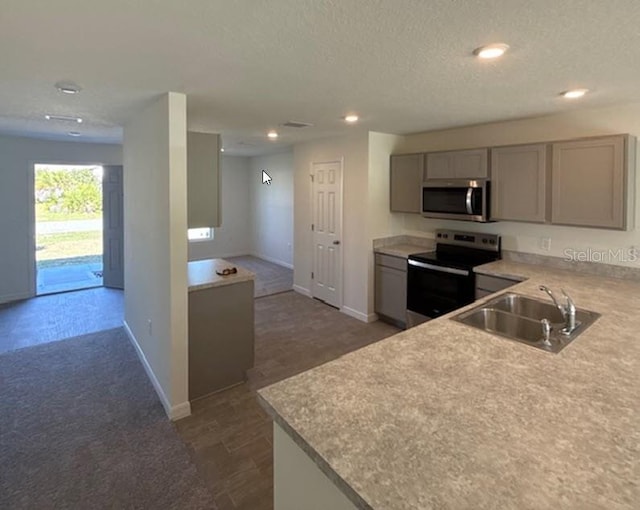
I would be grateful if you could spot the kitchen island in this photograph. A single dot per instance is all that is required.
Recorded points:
(447, 416)
(221, 335)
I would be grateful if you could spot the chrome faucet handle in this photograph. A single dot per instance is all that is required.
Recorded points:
(570, 315)
(571, 306)
(546, 332)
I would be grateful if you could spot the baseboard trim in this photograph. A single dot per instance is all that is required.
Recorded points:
(180, 411)
(372, 317)
(174, 413)
(302, 290)
(221, 256)
(272, 260)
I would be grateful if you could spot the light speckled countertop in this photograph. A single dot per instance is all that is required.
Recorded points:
(449, 417)
(201, 274)
(402, 250)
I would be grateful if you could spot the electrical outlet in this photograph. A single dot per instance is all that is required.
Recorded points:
(149, 327)
(545, 243)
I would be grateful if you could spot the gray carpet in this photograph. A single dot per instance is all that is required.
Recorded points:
(82, 427)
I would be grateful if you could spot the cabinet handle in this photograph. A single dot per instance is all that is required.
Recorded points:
(336, 242)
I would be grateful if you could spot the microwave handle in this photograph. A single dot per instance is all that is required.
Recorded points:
(468, 201)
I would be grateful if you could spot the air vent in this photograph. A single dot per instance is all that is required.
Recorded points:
(295, 124)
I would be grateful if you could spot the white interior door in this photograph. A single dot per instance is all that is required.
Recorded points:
(326, 278)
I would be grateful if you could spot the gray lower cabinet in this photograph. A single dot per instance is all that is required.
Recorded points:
(221, 337)
(591, 181)
(519, 183)
(486, 284)
(465, 164)
(391, 289)
(406, 182)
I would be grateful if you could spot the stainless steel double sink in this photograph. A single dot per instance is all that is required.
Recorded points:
(520, 318)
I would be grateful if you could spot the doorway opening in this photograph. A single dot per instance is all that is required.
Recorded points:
(69, 227)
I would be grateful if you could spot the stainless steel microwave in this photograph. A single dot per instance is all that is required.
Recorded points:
(457, 199)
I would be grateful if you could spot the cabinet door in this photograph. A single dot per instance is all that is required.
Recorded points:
(203, 180)
(518, 183)
(391, 293)
(471, 164)
(588, 180)
(440, 166)
(406, 182)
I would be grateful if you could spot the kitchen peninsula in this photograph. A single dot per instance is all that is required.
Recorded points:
(447, 416)
(221, 334)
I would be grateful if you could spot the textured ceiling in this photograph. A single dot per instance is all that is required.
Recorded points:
(248, 65)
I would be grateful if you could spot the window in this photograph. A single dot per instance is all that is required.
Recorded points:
(200, 234)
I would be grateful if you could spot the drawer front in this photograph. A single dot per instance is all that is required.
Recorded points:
(493, 283)
(390, 261)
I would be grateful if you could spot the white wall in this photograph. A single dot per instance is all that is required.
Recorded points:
(17, 216)
(353, 149)
(272, 208)
(155, 211)
(381, 222)
(522, 236)
(234, 236)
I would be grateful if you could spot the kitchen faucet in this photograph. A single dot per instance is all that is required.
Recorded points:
(568, 310)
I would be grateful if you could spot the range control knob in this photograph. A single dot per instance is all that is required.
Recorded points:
(484, 241)
(492, 241)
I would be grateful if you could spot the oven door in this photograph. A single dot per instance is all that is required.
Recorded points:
(434, 290)
(458, 200)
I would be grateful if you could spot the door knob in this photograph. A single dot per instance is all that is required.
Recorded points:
(336, 242)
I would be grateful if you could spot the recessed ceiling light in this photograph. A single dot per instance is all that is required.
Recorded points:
(272, 134)
(221, 149)
(65, 118)
(73, 133)
(351, 118)
(68, 87)
(491, 51)
(574, 94)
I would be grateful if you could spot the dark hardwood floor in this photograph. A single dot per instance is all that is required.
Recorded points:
(228, 434)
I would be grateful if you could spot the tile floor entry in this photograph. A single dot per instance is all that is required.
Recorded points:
(46, 319)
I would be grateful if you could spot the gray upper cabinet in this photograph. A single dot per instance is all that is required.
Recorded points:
(467, 164)
(406, 181)
(519, 183)
(203, 180)
(590, 182)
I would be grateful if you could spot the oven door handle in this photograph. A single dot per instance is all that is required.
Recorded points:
(468, 200)
(442, 269)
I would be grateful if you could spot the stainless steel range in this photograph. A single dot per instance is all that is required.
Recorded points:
(443, 280)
